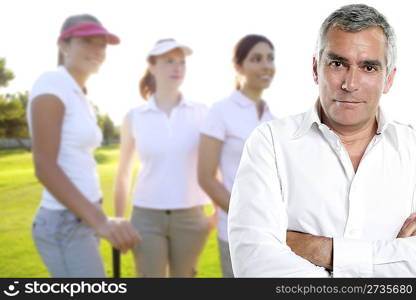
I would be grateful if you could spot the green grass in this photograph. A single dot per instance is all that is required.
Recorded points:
(20, 194)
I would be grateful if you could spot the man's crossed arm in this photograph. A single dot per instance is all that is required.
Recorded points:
(319, 250)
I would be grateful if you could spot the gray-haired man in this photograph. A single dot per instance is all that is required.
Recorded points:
(331, 192)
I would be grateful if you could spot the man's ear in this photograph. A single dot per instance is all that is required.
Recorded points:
(389, 81)
(315, 69)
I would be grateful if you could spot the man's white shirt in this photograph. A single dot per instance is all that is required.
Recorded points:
(295, 174)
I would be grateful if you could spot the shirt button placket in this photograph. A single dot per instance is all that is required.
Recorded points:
(168, 124)
(171, 120)
(354, 215)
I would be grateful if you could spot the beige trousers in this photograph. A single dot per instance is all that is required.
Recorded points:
(172, 241)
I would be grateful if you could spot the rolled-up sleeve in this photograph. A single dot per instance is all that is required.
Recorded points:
(258, 220)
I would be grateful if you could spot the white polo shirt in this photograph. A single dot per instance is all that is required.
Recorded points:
(295, 174)
(80, 134)
(231, 121)
(167, 147)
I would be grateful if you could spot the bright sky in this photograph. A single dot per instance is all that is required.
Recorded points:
(29, 29)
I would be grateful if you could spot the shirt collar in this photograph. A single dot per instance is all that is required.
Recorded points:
(383, 122)
(152, 106)
(242, 100)
(74, 85)
(313, 116)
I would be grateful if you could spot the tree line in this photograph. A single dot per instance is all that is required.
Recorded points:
(13, 123)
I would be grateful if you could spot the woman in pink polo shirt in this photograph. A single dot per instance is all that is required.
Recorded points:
(168, 203)
(228, 125)
(64, 134)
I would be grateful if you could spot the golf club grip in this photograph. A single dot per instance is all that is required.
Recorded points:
(116, 263)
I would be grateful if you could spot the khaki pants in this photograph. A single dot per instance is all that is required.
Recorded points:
(172, 241)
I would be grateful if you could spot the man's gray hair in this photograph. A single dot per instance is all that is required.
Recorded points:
(354, 18)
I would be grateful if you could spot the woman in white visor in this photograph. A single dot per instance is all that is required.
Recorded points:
(168, 204)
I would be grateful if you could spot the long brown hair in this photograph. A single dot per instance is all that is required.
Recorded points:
(147, 83)
(243, 47)
(72, 21)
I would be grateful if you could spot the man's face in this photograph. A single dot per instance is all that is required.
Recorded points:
(352, 76)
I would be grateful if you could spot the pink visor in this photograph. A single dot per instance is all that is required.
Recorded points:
(89, 29)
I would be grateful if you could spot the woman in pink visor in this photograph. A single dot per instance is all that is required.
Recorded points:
(64, 132)
(168, 204)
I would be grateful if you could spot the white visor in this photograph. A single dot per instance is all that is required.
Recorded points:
(168, 45)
